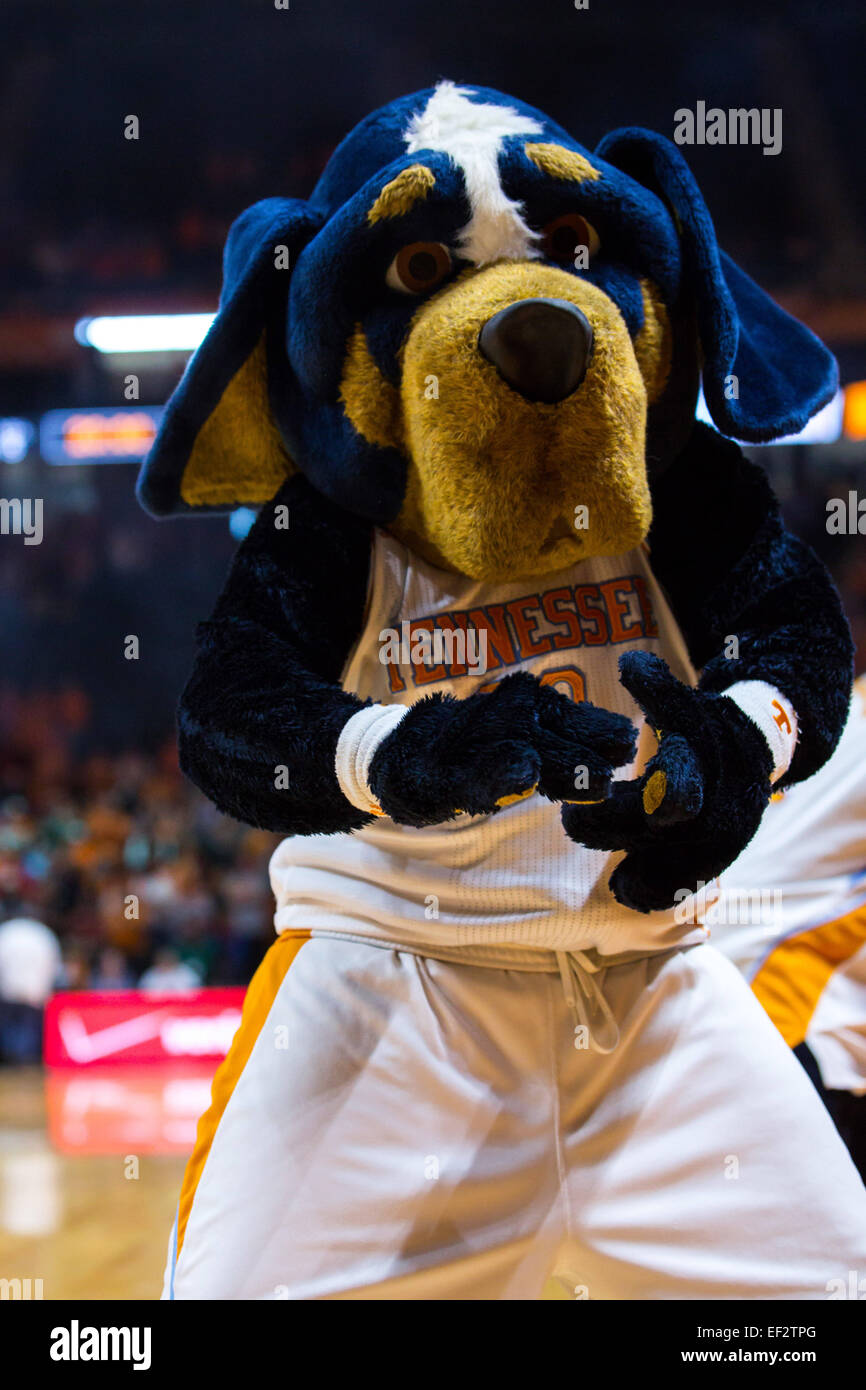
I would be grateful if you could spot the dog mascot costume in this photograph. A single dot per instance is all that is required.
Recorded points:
(454, 664)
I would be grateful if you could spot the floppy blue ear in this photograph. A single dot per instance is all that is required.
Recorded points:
(218, 445)
(764, 374)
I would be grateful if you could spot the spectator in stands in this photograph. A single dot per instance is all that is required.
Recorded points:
(169, 974)
(112, 971)
(29, 964)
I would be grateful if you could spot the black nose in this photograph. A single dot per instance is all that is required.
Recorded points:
(541, 347)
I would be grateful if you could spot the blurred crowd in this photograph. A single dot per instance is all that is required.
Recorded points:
(176, 248)
(141, 879)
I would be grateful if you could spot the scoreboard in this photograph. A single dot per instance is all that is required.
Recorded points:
(118, 434)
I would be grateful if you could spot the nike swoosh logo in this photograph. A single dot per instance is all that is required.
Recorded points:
(87, 1047)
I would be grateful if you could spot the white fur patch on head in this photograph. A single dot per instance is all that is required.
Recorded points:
(471, 134)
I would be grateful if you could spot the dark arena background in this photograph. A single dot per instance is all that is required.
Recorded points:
(142, 890)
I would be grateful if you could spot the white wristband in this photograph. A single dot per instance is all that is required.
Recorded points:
(774, 715)
(358, 741)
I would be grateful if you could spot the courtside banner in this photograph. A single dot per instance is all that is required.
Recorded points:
(130, 1026)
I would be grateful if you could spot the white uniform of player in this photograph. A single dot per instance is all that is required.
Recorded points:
(791, 912)
(465, 1071)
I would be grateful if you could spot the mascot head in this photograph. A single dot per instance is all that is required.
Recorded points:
(482, 337)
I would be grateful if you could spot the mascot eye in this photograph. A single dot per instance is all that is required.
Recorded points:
(418, 267)
(564, 235)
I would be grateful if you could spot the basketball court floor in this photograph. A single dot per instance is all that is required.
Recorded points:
(90, 1171)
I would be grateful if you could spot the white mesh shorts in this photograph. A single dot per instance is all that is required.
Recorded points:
(392, 1126)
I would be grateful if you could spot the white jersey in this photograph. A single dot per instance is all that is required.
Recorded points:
(512, 880)
(791, 911)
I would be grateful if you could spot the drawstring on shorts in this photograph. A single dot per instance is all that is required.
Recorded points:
(585, 997)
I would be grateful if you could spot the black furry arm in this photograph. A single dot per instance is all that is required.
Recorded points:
(720, 550)
(264, 693)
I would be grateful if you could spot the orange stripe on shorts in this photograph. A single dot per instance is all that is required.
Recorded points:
(262, 991)
(795, 975)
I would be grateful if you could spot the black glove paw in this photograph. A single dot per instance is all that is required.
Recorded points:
(699, 801)
(479, 754)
